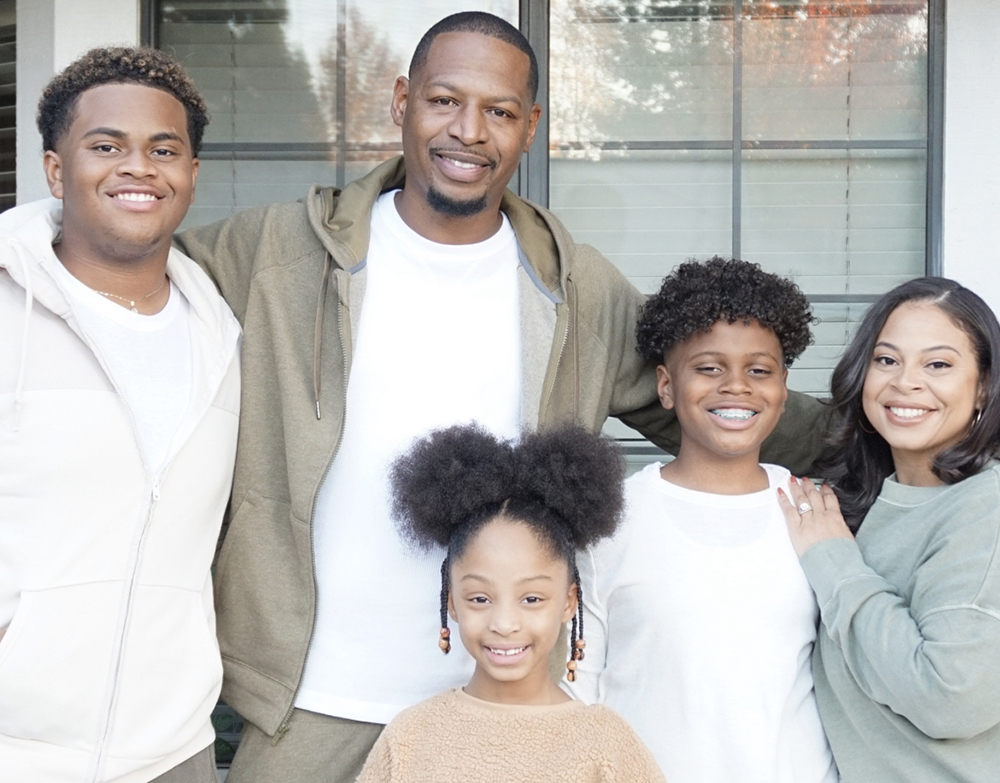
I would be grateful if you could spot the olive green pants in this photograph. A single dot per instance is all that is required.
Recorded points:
(200, 768)
(315, 749)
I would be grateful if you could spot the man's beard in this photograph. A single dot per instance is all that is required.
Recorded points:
(453, 207)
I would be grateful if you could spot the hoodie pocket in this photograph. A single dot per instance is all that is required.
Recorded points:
(171, 673)
(56, 664)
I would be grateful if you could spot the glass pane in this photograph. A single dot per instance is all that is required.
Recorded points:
(298, 90)
(622, 71)
(855, 69)
(842, 224)
(647, 211)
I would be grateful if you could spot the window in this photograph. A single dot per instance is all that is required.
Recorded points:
(792, 133)
(298, 90)
(803, 135)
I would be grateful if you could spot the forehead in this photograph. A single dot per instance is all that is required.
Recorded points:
(509, 547)
(134, 109)
(732, 339)
(477, 59)
(924, 322)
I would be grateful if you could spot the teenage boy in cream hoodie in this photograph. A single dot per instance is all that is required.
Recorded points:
(119, 400)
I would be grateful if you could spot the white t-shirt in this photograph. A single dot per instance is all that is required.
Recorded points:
(148, 357)
(438, 343)
(700, 626)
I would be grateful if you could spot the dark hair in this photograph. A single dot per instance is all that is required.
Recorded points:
(118, 65)
(484, 24)
(860, 459)
(698, 294)
(565, 484)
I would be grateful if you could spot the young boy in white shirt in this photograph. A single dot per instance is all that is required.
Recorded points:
(699, 621)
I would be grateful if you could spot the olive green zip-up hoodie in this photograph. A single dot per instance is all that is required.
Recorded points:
(294, 276)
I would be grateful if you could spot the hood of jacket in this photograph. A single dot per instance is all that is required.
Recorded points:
(342, 222)
(26, 236)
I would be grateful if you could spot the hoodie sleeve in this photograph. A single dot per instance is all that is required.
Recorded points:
(227, 250)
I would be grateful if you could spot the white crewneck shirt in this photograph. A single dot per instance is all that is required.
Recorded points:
(438, 343)
(700, 627)
(148, 358)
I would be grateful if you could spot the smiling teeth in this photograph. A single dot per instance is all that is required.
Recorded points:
(908, 413)
(514, 651)
(462, 164)
(135, 196)
(734, 414)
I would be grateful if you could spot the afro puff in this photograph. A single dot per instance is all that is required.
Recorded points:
(699, 294)
(565, 483)
(118, 65)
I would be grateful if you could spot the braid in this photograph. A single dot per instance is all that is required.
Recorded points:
(445, 641)
(576, 642)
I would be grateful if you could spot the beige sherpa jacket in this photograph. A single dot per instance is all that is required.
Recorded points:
(455, 738)
(294, 274)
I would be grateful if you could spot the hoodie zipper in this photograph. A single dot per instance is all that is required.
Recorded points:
(284, 725)
(562, 350)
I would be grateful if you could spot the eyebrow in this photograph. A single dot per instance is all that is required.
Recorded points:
(499, 99)
(704, 354)
(891, 347)
(478, 578)
(120, 134)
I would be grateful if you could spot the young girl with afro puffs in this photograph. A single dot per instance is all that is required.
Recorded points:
(700, 620)
(511, 516)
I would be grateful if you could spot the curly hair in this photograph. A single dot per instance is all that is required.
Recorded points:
(565, 484)
(118, 65)
(698, 294)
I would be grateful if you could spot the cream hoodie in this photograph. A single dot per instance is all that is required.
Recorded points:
(109, 667)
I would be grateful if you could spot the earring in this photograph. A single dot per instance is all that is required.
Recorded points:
(445, 641)
(979, 417)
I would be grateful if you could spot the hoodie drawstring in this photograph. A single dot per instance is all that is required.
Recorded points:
(29, 299)
(318, 337)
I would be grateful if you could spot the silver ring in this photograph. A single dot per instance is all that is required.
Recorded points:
(804, 507)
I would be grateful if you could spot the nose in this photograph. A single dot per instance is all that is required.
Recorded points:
(468, 125)
(734, 382)
(909, 378)
(135, 163)
(504, 619)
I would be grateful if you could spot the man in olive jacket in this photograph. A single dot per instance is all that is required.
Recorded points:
(327, 630)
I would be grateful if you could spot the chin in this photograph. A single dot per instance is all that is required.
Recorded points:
(452, 207)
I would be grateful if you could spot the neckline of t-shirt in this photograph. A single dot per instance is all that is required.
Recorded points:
(777, 476)
(107, 308)
(385, 210)
(493, 706)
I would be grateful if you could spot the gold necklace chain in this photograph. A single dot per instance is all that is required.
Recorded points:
(131, 302)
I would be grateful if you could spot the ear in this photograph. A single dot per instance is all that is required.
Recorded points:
(664, 387)
(400, 93)
(784, 383)
(533, 116)
(451, 608)
(571, 603)
(194, 177)
(52, 164)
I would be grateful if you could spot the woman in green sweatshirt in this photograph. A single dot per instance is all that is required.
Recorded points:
(903, 546)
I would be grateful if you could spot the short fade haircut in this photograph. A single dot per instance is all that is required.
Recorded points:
(699, 294)
(118, 65)
(484, 24)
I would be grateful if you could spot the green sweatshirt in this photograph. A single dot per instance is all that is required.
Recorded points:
(907, 665)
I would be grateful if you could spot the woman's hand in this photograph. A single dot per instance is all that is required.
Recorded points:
(813, 514)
